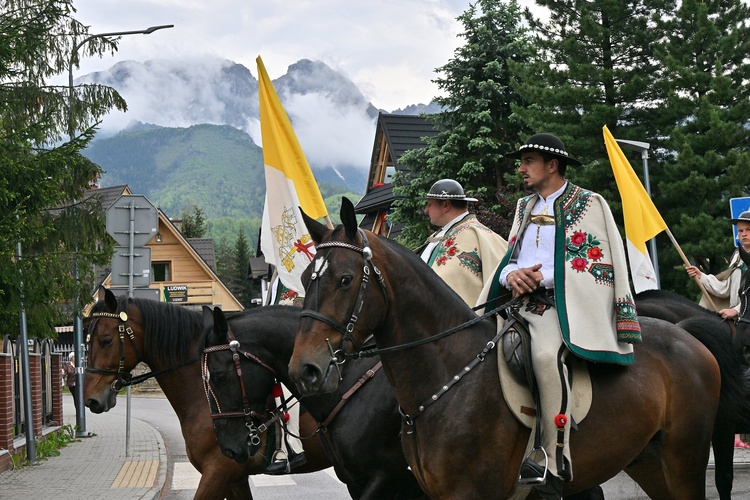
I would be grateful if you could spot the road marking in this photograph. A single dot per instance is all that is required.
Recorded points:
(184, 476)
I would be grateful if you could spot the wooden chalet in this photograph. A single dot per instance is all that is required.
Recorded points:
(394, 135)
(183, 270)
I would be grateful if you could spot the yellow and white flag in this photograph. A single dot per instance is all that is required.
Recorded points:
(290, 184)
(642, 220)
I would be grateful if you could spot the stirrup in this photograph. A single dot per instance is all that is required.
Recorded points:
(539, 472)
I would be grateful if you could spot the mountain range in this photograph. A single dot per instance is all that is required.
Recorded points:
(191, 134)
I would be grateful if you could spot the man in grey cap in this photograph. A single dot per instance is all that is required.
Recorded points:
(724, 288)
(463, 251)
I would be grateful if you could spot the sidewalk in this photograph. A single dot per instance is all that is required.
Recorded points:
(95, 467)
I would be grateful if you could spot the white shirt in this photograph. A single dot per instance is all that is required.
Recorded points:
(530, 253)
(435, 238)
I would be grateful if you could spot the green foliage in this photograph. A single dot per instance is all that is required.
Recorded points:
(187, 166)
(477, 126)
(669, 73)
(193, 222)
(42, 213)
(48, 447)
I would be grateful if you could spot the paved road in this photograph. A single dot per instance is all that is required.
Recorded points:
(182, 478)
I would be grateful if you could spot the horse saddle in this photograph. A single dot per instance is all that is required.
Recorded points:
(517, 376)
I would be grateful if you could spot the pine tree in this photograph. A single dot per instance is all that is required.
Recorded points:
(243, 286)
(595, 66)
(42, 206)
(476, 126)
(705, 118)
(194, 224)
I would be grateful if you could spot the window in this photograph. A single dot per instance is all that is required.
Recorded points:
(160, 271)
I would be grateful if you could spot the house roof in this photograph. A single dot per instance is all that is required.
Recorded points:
(401, 133)
(205, 248)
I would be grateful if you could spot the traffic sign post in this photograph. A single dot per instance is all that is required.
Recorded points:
(736, 207)
(132, 220)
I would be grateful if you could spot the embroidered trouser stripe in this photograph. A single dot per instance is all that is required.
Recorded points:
(548, 357)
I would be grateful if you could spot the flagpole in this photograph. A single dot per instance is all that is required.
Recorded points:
(687, 263)
(328, 222)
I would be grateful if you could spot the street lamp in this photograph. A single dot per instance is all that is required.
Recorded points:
(78, 322)
(643, 148)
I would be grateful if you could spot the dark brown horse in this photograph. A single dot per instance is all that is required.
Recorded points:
(458, 434)
(360, 423)
(166, 337)
(708, 327)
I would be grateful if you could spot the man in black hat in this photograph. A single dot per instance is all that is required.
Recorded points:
(463, 251)
(724, 288)
(567, 262)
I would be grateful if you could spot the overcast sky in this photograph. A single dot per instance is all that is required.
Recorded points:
(388, 48)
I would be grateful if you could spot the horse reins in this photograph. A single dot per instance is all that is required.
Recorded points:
(247, 414)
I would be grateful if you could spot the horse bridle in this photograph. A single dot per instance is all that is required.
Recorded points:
(247, 414)
(123, 378)
(339, 356)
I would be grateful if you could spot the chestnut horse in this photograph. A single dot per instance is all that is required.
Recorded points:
(166, 337)
(458, 434)
(360, 423)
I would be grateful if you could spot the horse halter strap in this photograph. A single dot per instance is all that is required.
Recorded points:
(347, 330)
(123, 378)
(246, 413)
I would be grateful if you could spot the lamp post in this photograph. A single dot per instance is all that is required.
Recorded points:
(643, 147)
(78, 322)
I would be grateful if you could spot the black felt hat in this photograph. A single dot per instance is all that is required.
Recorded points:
(545, 143)
(448, 189)
(743, 217)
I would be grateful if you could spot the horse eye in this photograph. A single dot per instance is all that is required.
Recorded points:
(346, 281)
(107, 342)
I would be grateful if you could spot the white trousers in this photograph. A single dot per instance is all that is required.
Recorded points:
(295, 444)
(548, 353)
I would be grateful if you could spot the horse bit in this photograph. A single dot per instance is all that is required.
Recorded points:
(338, 356)
(246, 413)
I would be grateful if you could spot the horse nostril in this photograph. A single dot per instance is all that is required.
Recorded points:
(310, 374)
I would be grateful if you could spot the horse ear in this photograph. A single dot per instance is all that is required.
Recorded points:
(348, 217)
(220, 322)
(109, 299)
(317, 230)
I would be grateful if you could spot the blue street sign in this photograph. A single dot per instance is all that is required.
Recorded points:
(736, 207)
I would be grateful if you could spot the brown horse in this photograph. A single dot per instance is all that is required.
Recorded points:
(167, 338)
(458, 433)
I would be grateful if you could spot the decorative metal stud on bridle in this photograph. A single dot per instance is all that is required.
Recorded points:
(338, 356)
(249, 415)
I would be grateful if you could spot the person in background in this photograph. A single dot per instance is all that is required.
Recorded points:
(463, 252)
(69, 368)
(724, 288)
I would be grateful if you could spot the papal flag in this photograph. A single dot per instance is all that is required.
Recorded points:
(642, 220)
(290, 184)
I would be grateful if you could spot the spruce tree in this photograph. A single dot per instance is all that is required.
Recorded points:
(44, 176)
(704, 119)
(476, 126)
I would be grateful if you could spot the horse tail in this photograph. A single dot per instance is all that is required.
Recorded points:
(734, 398)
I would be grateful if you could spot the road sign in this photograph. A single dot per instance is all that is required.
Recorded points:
(144, 217)
(736, 207)
(141, 266)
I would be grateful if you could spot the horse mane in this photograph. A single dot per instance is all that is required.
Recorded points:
(169, 330)
(668, 296)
